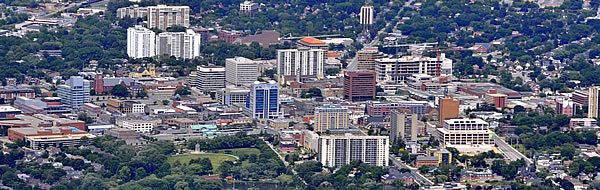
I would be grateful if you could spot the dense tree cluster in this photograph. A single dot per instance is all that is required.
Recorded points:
(507, 170)
(365, 176)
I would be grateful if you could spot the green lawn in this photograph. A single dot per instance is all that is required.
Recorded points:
(215, 159)
(238, 151)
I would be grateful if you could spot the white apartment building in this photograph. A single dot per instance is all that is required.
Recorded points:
(163, 16)
(473, 132)
(336, 151)
(211, 78)
(185, 45)
(137, 125)
(74, 92)
(132, 12)
(138, 108)
(241, 71)
(248, 7)
(141, 42)
(366, 15)
(303, 61)
(395, 70)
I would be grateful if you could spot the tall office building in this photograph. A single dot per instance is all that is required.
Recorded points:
(331, 116)
(241, 71)
(211, 78)
(163, 16)
(395, 70)
(593, 101)
(403, 125)
(448, 108)
(303, 61)
(263, 100)
(185, 45)
(474, 132)
(141, 42)
(366, 58)
(336, 151)
(74, 92)
(366, 15)
(359, 85)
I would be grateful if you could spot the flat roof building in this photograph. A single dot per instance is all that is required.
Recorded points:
(336, 151)
(211, 78)
(472, 132)
(241, 71)
(359, 85)
(331, 116)
(163, 16)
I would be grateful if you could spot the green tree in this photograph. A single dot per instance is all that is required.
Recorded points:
(124, 173)
(183, 91)
(119, 90)
(311, 92)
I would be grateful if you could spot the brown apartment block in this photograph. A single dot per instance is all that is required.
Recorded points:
(359, 85)
(366, 58)
(448, 108)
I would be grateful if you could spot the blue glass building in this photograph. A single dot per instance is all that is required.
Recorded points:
(263, 100)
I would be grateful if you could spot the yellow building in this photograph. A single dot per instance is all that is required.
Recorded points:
(149, 72)
(331, 116)
(444, 156)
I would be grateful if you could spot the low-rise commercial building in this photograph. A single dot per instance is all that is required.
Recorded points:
(426, 160)
(38, 138)
(142, 124)
(472, 132)
(583, 124)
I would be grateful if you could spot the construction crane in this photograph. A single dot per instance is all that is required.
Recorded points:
(289, 36)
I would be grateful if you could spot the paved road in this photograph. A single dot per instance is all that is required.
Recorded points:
(354, 63)
(414, 171)
(510, 152)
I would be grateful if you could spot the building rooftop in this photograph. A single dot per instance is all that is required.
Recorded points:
(427, 158)
(312, 41)
(9, 109)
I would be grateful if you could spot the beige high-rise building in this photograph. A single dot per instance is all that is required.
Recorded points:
(403, 125)
(593, 100)
(163, 16)
(448, 109)
(330, 116)
(366, 58)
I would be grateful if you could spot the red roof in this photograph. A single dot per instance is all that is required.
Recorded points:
(332, 54)
(310, 40)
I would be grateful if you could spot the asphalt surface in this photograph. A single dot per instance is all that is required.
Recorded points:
(414, 171)
(508, 151)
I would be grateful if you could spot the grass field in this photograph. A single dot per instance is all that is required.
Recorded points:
(215, 159)
(238, 151)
